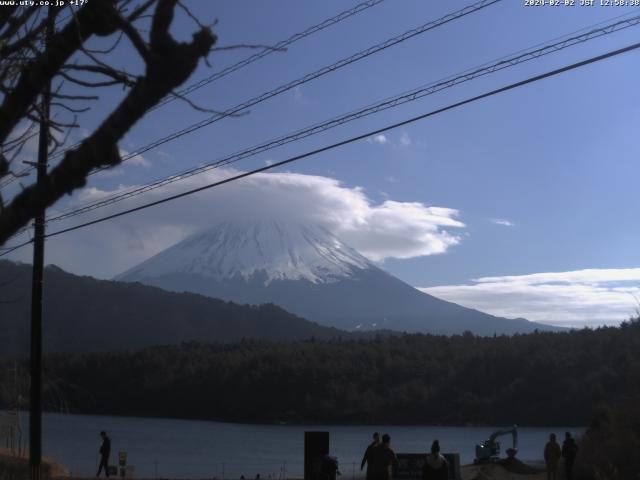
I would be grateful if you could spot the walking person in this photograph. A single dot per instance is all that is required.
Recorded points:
(435, 466)
(105, 451)
(383, 460)
(569, 452)
(368, 454)
(552, 455)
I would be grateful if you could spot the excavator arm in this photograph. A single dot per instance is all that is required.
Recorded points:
(513, 431)
(490, 449)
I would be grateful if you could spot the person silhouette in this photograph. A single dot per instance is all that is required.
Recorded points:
(552, 456)
(368, 454)
(569, 453)
(382, 460)
(435, 466)
(105, 451)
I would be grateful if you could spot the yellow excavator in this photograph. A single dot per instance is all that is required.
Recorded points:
(489, 450)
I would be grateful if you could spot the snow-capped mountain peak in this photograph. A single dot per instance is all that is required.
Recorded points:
(268, 249)
(307, 271)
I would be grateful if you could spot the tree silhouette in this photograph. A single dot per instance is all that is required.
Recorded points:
(75, 71)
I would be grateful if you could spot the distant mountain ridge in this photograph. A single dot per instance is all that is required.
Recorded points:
(82, 314)
(308, 271)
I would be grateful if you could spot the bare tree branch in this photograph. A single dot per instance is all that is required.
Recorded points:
(6, 14)
(15, 23)
(168, 65)
(75, 97)
(118, 76)
(70, 109)
(107, 50)
(197, 107)
(87, 83)
(9, 49)
(138, 12)
(136, 40)
(192, 16)
(93, 18)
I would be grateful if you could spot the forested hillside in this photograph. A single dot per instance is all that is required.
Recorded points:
(82, 314)
(535, 379)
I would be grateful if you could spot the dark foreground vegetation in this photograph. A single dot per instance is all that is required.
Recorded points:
(609, 449)
(535, 379)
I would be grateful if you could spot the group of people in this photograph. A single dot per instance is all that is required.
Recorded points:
(553, 453)
(380, 459)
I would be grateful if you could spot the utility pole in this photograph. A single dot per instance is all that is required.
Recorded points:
(35, 404)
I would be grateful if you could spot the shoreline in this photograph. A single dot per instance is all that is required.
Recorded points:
(310, 423)
(501, 470)
(177, 448)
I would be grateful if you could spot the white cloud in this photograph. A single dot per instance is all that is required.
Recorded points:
(164, 156)
(268, 162)
(381, 139)
(402, 142)
(577, 298)
(299, 97)
(118, 171)
(136, 160)
(502, 221)
(379, 231)
(110, 172)
(401, 230)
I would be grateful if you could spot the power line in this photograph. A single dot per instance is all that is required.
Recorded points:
(356, 138)
(278, 46)
(237, 109)
(359, 8)
(26, 170)
(316, 74)
(611, 28)
(252, 58)
(16, 247)
(10, 179)
(382, 105)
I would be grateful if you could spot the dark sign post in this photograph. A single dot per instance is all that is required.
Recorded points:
(410, 465)
(316, 447)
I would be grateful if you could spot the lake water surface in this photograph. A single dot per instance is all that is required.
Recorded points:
(199, 449)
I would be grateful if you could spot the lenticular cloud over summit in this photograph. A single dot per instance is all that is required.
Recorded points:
(390, 229)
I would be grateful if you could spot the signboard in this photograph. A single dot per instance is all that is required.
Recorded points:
(410, 466)
(122, 458)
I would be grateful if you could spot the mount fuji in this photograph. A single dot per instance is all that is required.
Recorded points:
(306, 270)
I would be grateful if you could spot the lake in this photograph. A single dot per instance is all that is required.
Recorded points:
(172, 448)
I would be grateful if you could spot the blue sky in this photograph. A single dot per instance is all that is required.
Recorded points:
(540, 179)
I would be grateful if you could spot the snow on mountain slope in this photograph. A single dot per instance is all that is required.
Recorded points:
(275, 250)
(307, 271)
